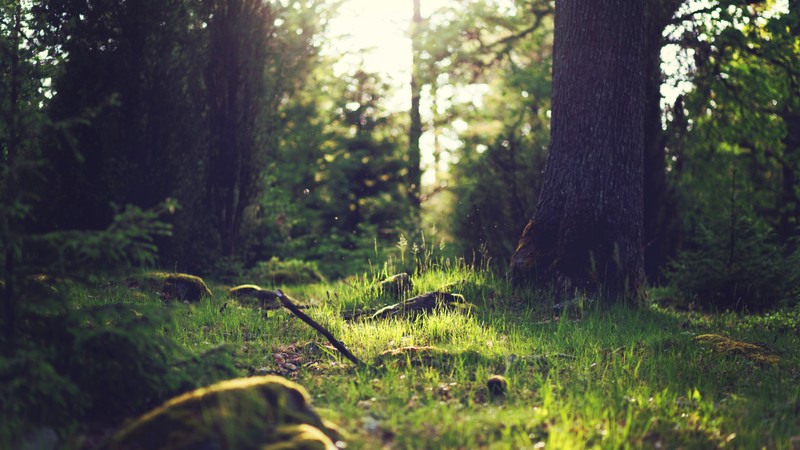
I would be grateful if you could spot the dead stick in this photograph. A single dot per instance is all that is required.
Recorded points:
(320, 329)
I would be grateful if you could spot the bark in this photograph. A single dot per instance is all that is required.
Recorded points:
(237, 88)
(415, 129)
(660, 208)
(587, 231)
(10, 189)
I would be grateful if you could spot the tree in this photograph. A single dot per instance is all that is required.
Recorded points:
(132, 73)
(415, 129)
(28, 257)
(587, 231)
(238, 92)
(660, 206)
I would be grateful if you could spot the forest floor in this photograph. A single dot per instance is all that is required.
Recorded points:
(648, 377)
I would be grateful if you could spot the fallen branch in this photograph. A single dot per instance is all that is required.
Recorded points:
(287, 303)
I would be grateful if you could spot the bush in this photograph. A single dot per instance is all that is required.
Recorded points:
(33, 394)
(291, 271)
(740, 270)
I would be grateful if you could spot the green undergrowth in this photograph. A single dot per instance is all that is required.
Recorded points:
(612, 377)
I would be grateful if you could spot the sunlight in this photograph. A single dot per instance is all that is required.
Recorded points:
(373, 36)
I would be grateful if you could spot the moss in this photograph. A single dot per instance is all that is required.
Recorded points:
(300, 437)
(396, 286)
(728, 346)
(265, 298)
(180, 286)
(257, 412)
(497, 386)
(423, 303)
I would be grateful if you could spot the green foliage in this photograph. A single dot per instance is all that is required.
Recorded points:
(186, 102)
(741, 115)
(339, 183)
(95, 365)
(494, 193)
(502, 55)
(293, 271)
(741, 269)
(736, 128)
(104, 357)
(34, 393)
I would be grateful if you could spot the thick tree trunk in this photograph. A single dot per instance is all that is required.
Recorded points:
(586, 234)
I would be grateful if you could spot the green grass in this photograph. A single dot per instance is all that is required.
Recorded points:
(615, 377)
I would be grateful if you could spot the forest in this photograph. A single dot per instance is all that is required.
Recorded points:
(561, 224)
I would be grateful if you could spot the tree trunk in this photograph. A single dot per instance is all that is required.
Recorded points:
(660, 209)
(10, 189)
(586, 234)
(415, 129)
(237, 89)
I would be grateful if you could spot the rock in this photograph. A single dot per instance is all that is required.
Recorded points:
(173, 286)
(300, 437)
(497, 386)
(422, 303)
(267, 412)
(185, 287)
(266, 299)
(396, 286)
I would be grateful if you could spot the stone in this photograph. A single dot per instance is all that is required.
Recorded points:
(396, 286)
(266, 412)
(266, 299)
(173, 286)
(497, 386)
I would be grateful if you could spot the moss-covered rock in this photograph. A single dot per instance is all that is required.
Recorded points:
(173, 286)
(424, 303)
(299, 437)
(262, 297)
(248, 413)
(497, 386)
(725, 345)
(396, 286)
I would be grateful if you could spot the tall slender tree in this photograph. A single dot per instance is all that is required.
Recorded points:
(239, 51)
(586, 234)
(415, 129)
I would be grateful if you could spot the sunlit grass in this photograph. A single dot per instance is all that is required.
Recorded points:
(595, 378)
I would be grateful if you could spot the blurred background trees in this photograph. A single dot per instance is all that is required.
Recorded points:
(239, 111)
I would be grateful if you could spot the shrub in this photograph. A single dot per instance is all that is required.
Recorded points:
(291, 271)
(33, 394)
(742, 269)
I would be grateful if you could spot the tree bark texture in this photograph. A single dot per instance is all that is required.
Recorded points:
(236, 81)
(587, 232)
(415, 129)
(660, 205)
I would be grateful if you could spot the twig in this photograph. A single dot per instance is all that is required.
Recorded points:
(287, 303)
